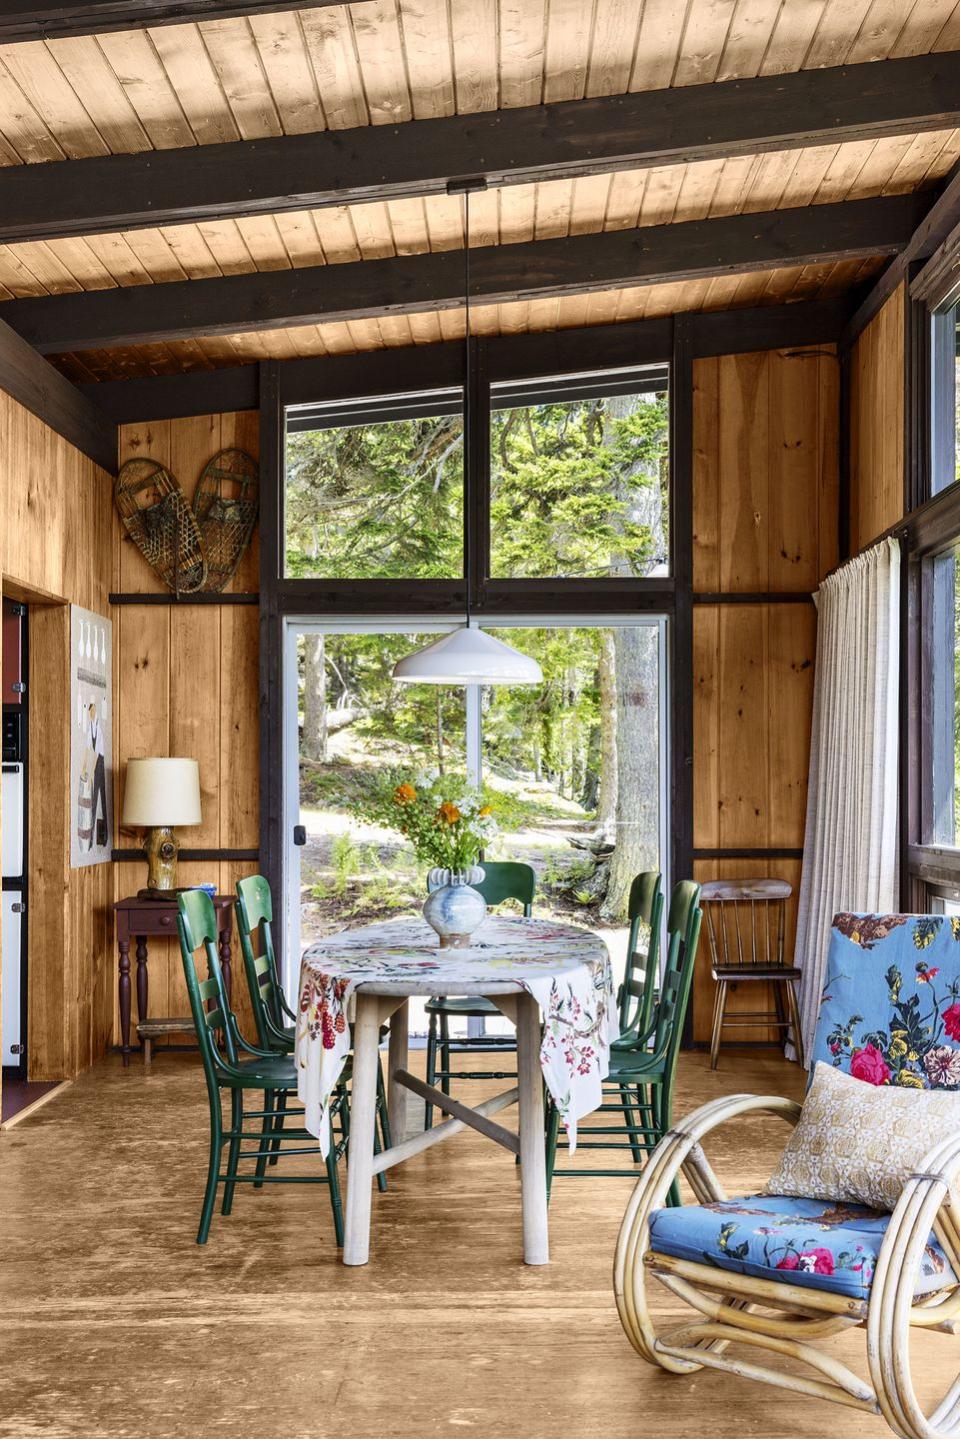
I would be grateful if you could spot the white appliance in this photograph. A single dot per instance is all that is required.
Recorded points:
(10, 938)
(12, 808)
(14, 820)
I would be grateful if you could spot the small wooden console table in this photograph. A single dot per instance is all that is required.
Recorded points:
(139, 919)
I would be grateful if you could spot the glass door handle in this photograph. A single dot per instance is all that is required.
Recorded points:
(299, 834)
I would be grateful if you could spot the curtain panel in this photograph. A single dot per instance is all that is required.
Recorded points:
(850, 842)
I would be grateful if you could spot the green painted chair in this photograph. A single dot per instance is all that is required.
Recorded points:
(643, 1061)
(502, 880)
(269, 1004)
(270, 1075)
(637, 993)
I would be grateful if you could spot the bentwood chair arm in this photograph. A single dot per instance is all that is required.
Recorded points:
(679, 1149)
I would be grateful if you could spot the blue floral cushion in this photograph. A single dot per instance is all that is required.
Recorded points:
(890, 1010)
(822, 1244)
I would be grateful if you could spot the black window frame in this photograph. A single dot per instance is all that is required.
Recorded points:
(930, 869)
(667, 344)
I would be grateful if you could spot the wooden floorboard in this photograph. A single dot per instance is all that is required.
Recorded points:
(113, 1323)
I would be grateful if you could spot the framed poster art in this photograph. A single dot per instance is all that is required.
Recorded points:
(91, 748)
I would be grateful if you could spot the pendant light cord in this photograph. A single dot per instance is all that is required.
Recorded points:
(467, 408)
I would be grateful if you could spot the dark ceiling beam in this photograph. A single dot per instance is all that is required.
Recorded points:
(941, 219)
(55, 20)
(736, 244)
(506, 357)
(34, 383)
(542, 142)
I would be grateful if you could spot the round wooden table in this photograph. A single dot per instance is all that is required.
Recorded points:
(521, 966)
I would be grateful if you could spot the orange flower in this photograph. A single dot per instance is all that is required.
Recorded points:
(448, 813)
(484, 810)
(404, 794)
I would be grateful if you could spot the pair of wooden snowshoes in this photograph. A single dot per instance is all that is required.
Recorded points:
(191, 547)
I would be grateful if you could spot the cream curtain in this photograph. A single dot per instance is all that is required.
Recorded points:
(850, 844)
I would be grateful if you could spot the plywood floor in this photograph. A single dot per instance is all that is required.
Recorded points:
(113, 1323)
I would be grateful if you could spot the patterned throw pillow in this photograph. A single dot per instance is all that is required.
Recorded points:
(857, 1142)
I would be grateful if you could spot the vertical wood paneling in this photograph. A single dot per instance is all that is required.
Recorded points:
(187, 683)
(765, 470)
(55, 549)
(877, 424)
(765, 519)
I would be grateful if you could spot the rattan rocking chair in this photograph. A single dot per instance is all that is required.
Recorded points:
(719, 1255)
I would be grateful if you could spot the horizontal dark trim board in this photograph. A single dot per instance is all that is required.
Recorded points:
(377, 163)
(165, 397)
(55, 20)
(763, 853)
(496, 599)
(130, 856)
(576, 264)
(34, 383)
(777, 597)
(236, 598)
(507, 357)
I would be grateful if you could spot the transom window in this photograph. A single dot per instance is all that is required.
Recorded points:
(374, 488)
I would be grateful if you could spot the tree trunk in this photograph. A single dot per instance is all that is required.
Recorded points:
(439, 727)
(607, 796)
(637, 679)
(314, 699)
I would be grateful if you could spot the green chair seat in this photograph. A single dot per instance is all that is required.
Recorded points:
(631, 1062)
(276, 1073)
(471, 1008)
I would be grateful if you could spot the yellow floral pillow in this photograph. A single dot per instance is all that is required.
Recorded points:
(861, 1142)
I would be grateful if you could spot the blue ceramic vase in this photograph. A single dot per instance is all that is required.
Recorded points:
(453, 907)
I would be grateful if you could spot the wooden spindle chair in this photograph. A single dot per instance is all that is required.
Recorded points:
(746, 929)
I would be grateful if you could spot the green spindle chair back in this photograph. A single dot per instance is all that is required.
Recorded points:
(645, 907)
(508, 879)
(197, 928)
(255, 915)
(683, 931)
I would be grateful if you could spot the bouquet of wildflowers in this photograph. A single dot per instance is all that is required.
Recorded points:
(447, 820)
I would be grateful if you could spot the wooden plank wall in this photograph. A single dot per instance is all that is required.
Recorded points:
(877, 424)
(765, 521)
(186, 682)
(55, 550)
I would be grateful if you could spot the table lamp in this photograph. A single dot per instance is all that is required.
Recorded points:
(159, 794)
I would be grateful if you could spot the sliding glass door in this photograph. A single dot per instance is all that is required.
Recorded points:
(574, 769)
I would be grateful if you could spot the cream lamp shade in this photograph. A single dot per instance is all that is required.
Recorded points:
(161, 793)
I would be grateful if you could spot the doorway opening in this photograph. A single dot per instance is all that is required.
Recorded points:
(575, 769)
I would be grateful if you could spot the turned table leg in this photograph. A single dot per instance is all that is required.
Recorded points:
(397, 1059)
(124, 947)
(142, 1000)
(363, 1103)
(533, 1171)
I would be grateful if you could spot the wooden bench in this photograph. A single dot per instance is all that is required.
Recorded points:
(152, 1029)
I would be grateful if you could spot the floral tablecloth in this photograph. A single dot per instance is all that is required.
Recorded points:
(567, 971)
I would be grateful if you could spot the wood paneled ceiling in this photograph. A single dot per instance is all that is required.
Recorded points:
(386, 62)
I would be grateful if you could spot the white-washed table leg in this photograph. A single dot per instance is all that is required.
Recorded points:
(533, 1168)
(397, 1059)
(363, 1104)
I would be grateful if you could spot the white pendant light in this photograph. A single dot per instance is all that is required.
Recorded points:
(468, 656)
